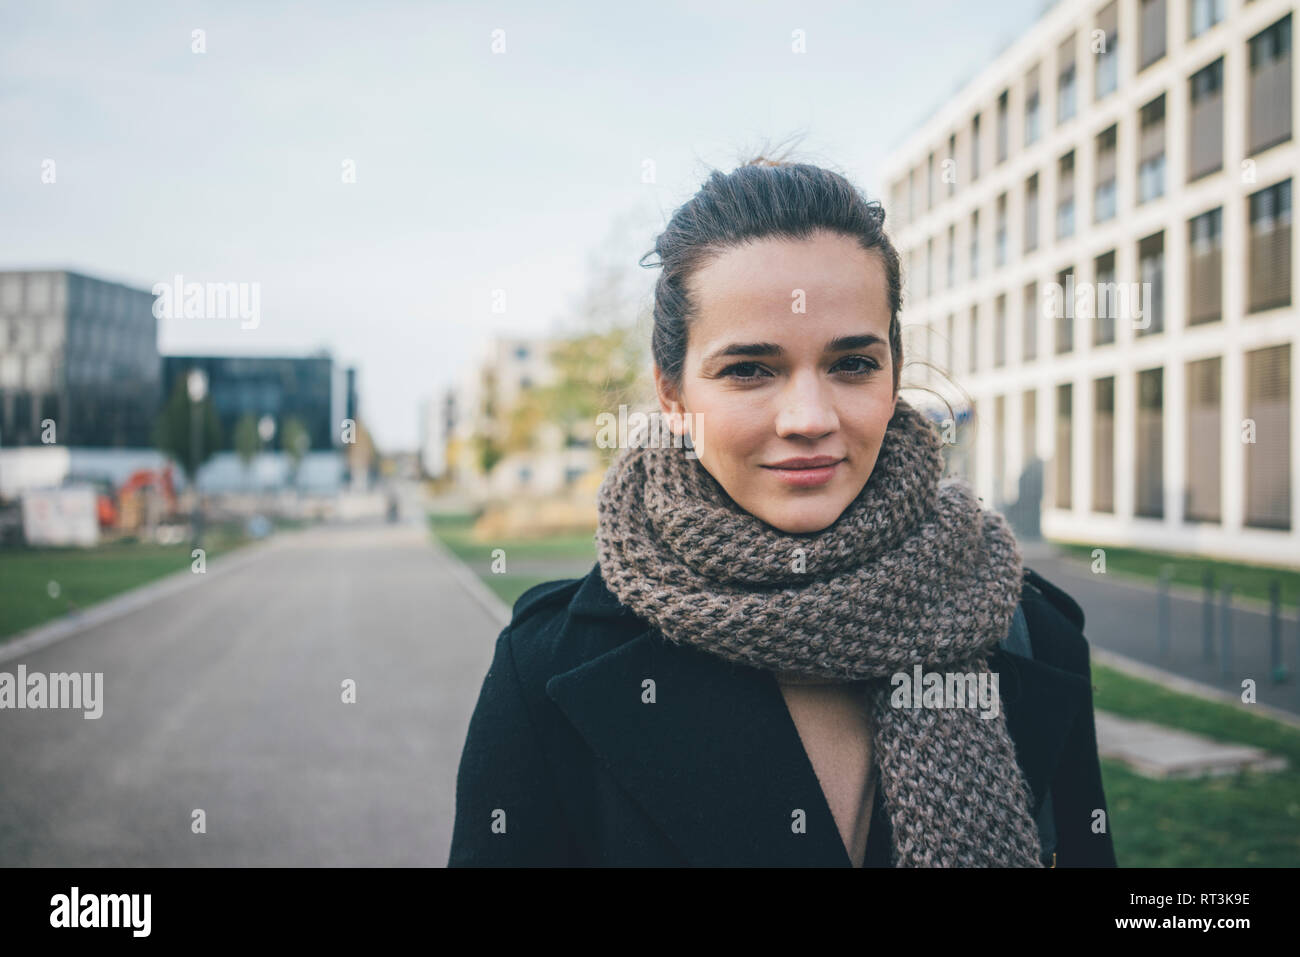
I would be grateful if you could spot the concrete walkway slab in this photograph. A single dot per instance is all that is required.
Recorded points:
(1156, 751)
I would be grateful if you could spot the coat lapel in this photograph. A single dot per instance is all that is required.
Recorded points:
(715, 761)
(1041, 703)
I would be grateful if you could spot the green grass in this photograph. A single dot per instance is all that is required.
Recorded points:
(1247, 580)
(454, 530)
(86, 576)
(1246, 819)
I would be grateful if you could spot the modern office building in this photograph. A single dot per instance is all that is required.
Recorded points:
(309, 388)
(81, 353)
(1096, 234)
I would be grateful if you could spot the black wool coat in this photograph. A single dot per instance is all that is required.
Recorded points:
(568, 763)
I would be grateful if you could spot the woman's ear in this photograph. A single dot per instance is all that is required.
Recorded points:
(669, 401)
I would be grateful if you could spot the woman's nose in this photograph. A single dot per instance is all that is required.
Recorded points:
(805, 408)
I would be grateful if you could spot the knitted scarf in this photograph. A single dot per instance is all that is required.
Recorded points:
(913, 572)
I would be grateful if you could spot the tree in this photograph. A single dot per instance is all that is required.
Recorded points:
(602, 360)
(174, 429)
(295, 440)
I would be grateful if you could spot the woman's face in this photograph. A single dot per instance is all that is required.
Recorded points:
(788, 358)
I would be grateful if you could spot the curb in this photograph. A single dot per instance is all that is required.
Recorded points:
(42, 636)
(1173, 682)
(490, 603)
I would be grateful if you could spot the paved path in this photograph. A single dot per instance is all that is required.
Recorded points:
(227, 697)
(1121, 615)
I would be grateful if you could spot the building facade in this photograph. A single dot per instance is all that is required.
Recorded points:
(1096, 234)
(306, 388)
(78, 352)
(485, 454)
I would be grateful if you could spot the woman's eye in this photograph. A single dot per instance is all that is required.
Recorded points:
(871, 365)
(731, 370)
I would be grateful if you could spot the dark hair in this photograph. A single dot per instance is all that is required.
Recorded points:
(762, 198)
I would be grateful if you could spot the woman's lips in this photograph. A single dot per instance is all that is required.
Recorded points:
(806, 478)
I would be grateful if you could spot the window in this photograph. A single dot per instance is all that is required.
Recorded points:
(1149, 500)
(1000, 331)
(1031, 213)
(1107, 65)
(1103, 444)
(1203, 14)
(1029, 323)
(1103, 200)
(950, 173)
(974, 338)
(1061, 485)
(1002, 126)
(1000, 233)
(1151, 266)
(1151, 150)
(951, 335)
(1065, 196)
(952, 255)
(1201, 501)
(1268, 457)
(1029, 423)
(1205, 125)
(1031, 106)
(975, 148)
(1066, 80)
(521, 352)
(929, 183)
(1270, 86)
(975, 244)
(929, 266)
(1064, 313)
(1205, 267)
(1152, 27)
(1107, 300)
(1269, 270)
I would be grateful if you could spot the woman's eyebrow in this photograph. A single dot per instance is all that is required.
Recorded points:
(838, 344)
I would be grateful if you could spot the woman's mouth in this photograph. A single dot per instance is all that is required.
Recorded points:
(806, 473)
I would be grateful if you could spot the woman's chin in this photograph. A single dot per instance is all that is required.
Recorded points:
(802, 517)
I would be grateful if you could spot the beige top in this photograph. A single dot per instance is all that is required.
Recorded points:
(835, 728)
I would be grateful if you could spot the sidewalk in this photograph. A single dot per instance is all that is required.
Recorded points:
(1121, 623)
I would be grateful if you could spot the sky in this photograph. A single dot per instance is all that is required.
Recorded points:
(493, 146)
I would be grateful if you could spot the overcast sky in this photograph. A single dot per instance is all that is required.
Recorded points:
(474, 170)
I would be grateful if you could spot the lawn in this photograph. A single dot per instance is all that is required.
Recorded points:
(454, 530)
(1247, 580)
(43, 583)
(1247, 819)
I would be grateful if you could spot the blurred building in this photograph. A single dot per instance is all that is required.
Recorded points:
(313, 389)
(1097, 242)
(80, 352)
(485, 453)
(309, 388)
(437, 418)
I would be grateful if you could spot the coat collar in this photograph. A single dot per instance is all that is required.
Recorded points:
(716, 760)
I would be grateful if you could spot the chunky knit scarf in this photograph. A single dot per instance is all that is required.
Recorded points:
(914, 571)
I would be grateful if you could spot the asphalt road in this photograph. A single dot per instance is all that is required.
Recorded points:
(227, 697)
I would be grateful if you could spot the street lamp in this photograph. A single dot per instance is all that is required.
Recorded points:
(266, 432)
(196, 384)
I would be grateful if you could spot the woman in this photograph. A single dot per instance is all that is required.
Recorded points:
(732, 683)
